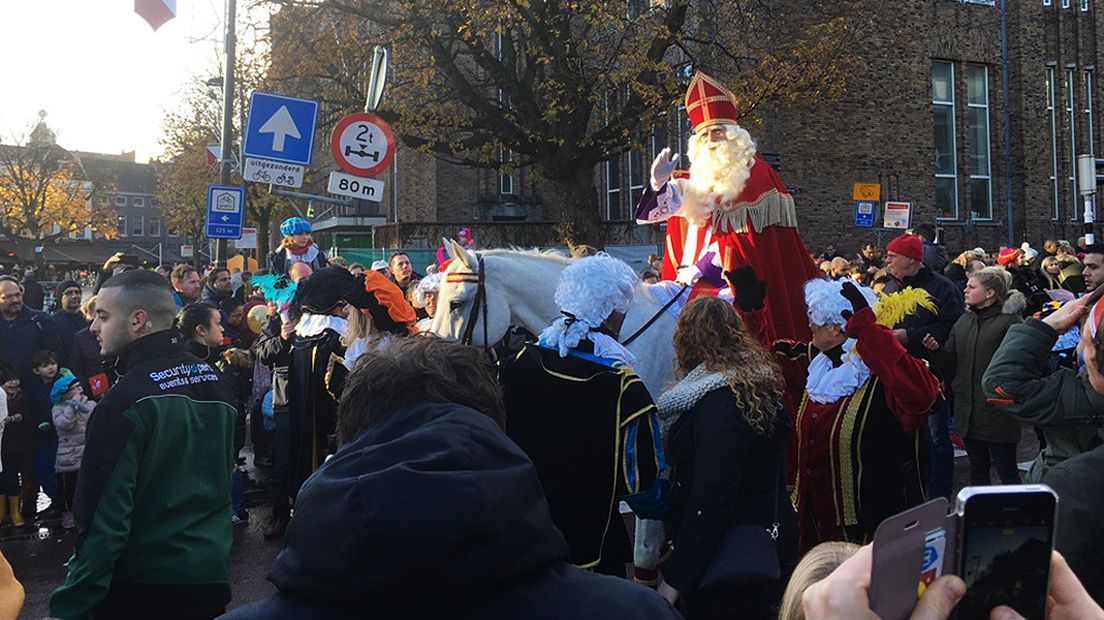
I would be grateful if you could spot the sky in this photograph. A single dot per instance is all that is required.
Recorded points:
(102, 74)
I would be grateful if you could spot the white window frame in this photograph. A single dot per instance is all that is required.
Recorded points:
(1065, 4)
(1071, 116)
(635, 190)
(140, 224)
(138, 201)
(123, 230)
(120, 201)
(1089, 125)
(155, 227)
(505, 181)
(1052, 113)
(1048, 2)
(988, 176)
(1084, 6)
(954, 137)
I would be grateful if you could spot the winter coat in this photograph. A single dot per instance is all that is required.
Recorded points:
(433, 513)
(965, 356)
(27, 333)
(935, 257)
(275, 352)
(71, 422)
(949, 305)
(1079, 535)
(724, 473)
(210, 296)
(1020, 382)
(86, 363)
(67, 325)
(279, 261)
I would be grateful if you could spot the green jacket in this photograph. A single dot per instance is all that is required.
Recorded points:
(973, 341)
(153, 494)
(1062, 402)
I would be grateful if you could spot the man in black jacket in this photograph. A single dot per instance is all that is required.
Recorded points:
(429, 511)
(153, 495)
(68, 318)
(905, 262)
(273, 349)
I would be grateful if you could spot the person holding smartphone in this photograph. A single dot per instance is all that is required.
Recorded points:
(1068, 406)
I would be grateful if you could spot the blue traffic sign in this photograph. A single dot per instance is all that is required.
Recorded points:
(864, 213)
(280, 128)
(224, 211)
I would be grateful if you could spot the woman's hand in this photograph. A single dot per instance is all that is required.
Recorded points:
(930, 343)
(1070, 313)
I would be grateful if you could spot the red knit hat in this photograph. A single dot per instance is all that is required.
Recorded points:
(907, 245)
(1007, 255)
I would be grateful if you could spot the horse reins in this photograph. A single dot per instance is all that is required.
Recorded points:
(480, 301)
(655, 317)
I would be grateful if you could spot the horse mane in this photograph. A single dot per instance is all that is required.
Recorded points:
(531, 252)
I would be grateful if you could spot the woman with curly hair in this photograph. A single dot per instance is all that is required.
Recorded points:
(726, 444)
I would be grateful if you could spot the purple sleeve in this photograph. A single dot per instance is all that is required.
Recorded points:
(656, 206)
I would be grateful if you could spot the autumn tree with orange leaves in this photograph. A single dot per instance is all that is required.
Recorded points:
(45, 194)
(559, 85)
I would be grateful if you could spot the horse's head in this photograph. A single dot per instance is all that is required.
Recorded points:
(460, 302)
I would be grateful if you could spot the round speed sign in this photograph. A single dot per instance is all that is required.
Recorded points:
(362, 144)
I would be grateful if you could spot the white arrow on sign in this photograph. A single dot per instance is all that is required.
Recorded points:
(280, 125)
(226, 218)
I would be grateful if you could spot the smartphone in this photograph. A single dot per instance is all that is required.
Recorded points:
(1006, 536)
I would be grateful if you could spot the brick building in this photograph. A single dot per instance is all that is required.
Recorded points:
(928, 114)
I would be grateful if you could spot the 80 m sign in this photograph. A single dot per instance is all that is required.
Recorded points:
(355, 187)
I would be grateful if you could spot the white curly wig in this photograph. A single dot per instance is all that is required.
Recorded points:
(590, 289)
(826, 303)
(428, 284)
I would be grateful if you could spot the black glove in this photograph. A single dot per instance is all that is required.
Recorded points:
(749, 290)
(852, 294)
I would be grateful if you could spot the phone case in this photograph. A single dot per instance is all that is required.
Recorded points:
(898, 554)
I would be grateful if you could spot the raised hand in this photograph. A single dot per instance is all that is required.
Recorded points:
(749, 290)
(852, 294)
(662, 168)
(931, 343)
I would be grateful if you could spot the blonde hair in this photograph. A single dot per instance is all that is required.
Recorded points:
(817, 564)
(289, 241)
(88, 308)
(360, 326)
(995, 279)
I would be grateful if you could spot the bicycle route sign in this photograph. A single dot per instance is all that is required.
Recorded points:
(362, 144)
(274, 172)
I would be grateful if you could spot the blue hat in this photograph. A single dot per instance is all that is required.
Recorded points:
(294, 226)
(61, 386)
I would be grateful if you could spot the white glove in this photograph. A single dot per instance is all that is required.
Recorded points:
(688, 275)
(662, 168)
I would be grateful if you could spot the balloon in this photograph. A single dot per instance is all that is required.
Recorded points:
(256, 318)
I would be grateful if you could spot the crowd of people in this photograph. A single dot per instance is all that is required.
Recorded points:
(432, 477)
(413, 475)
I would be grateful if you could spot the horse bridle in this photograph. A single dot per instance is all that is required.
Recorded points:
(480, 301)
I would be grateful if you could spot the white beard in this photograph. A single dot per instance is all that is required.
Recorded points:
(717, 175)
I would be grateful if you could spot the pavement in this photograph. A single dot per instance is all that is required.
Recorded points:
(38, 553)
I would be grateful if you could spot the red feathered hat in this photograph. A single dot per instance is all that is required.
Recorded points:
(709, 103)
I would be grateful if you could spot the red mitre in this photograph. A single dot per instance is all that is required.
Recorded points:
(709, 103)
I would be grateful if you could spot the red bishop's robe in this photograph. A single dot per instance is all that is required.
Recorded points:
(758, 228)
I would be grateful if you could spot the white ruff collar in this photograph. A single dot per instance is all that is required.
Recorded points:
(827, 384)
(314, 324)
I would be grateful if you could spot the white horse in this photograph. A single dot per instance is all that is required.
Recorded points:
(519, 289)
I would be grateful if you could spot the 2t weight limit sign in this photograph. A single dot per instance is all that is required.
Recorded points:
(362, 144)
(355, 187)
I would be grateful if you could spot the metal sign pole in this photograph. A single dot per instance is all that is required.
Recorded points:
(227, 115)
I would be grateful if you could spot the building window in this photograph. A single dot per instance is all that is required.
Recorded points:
(943, 117)
(613, 189)
(122, 226)
(977, 101)
(138, 228)
(1084, 6)
(1089, 126)
(1052, 115)
(137, 201)
(1071, 116)
(155, 227)
(1048, 2)
(636, 173)
(120, 201)
(1065, 4)
(505, 181)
